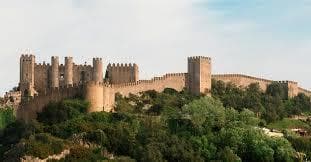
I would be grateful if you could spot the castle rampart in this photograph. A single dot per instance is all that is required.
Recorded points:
(42, 77)
(28, 109)
(52, 83)
(122, 73)
(304, 91)
(242, 80)
(175, 81)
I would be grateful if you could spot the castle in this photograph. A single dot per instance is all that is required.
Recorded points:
(44, 83)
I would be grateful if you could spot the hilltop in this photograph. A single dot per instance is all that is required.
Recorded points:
(171, 125)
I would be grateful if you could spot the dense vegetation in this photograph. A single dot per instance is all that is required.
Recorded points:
(167, 126)
(271, 105)
(6, 116)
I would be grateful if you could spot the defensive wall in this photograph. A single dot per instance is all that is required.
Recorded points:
(28, 109)
(176, 81)
(122, 73)
(304, 91)
(102, 96)
(45, 83)
(43, 77)
(242, 80)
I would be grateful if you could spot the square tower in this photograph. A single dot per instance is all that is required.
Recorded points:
(199, 75)
(122, 73)
(27, 75)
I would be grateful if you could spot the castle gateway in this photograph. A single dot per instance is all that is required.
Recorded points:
(43, 83)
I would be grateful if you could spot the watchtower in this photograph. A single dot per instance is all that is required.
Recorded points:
(98, 70)
(55, 72)
(199, 75)
(68, 71)
(291, 87)
(27, 75)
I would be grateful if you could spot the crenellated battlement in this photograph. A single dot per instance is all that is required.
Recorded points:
(304, 91)
(94, 83)
(81, 66)
(42, 65)
(199, 58)
(241, 76)
(28, 56)
(122, 73)
(97, 59)
(288, 82)
(122, 65)
(44, 82)
(151, 81)
(54, 57)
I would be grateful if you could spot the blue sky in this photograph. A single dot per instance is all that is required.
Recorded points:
(263, 38)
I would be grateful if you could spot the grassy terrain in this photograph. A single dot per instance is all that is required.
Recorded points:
(288, 123)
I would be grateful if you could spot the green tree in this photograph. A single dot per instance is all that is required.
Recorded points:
(6, 117)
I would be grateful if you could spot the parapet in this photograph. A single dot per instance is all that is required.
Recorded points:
(197, 58)
(95, 83)
(152, 81)
(42, 65)
(113, 65)
(68, 57)
(26, 57)
(55, 57)
(288, 82)
(305, 91)
(97, 59)
(240, 76)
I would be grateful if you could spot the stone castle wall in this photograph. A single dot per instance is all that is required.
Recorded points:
(43, 77)
(242, 80)
(122, 73)
(176, 81)
(28, 109)
(304, 91)
(122, 78)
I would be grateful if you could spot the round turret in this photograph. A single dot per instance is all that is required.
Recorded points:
(97, 70)
(55, 72)
(68, 71)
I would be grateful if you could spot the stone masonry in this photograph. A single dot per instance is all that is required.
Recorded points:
(44, 83)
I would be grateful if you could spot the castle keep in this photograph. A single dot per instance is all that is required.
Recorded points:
(43, 83)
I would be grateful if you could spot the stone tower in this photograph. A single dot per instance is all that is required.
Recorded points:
(68, 71)
(98, 70)
(27, 75)
(94, 93)
(55, 72)
(135, 72)
(122, 73)
(291, 87)
(199, 75)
